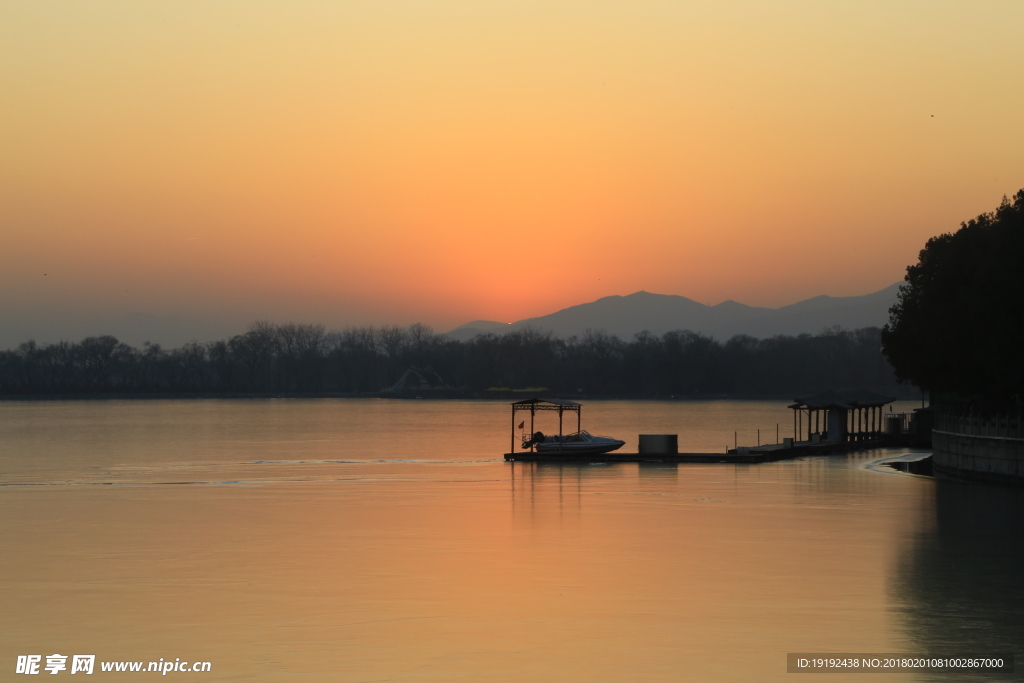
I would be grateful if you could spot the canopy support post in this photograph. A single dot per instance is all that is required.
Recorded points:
(533, 411)
(559, 429)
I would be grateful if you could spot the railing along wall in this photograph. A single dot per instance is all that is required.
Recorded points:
(1008, 426)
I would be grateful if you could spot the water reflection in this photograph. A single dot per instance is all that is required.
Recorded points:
(659, 472)
(960, 582)
(364, 541)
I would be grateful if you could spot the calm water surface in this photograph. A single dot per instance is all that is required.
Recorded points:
(344, 540)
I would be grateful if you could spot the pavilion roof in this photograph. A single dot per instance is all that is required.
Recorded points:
(845, 400)
(546, 401)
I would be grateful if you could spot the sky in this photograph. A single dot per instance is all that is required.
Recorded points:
(179, 169)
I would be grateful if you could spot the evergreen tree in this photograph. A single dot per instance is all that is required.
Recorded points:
(958, 327)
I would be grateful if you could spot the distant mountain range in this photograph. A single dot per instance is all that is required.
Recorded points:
(624, 316)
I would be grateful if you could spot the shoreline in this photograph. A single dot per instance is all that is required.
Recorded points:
(472, 396)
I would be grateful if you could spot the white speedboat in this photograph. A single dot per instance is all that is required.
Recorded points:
(581, 442)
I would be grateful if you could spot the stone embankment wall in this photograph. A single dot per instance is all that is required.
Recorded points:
(982, 449)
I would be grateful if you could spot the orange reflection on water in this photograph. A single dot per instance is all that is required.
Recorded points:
(454, 569)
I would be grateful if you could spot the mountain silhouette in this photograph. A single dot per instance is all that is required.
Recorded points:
(625, 316)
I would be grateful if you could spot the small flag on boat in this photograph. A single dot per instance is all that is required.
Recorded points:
(522, 424)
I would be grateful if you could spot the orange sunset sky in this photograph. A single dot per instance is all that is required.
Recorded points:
(446, 160)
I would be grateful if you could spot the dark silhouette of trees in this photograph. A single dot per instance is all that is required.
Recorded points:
(99, 357)
(958, 327)
(309, 360)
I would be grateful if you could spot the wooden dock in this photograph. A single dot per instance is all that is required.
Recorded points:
(752, 454)
(527, 456)
(661, 448)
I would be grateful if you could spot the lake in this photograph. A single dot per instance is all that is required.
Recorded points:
(376, 540)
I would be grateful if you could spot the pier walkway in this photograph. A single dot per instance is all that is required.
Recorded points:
(852, 418)
(753, 454)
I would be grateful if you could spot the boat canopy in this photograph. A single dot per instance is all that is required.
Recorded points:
(533, 405)
(545, 404)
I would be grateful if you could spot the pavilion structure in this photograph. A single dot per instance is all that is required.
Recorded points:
(839, 416)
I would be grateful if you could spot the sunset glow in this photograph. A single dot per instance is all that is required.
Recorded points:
(446, 161)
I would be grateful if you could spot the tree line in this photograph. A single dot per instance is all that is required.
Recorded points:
(280, 359)
(958, 327)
